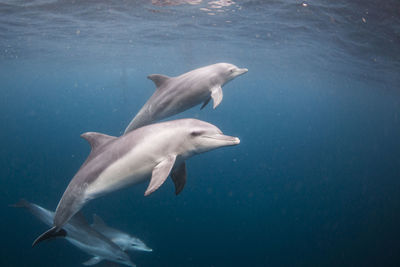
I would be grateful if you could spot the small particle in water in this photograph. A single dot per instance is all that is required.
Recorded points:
(305, 4)
(78, 32)
(363, 20)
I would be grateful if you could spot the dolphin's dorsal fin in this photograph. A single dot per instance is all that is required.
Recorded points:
(178, 176)
(79, 218)
(158, 79)
(160, 174)
(97, 221)
(92, 261)
(22, 203)
(97, 139)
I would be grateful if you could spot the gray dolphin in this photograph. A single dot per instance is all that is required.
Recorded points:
(123, 240)
(177, 94)
(82, 236)
(152, 152)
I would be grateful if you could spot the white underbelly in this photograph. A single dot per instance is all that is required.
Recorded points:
(130, 169)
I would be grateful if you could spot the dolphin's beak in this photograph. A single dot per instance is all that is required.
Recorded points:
(242, 71)
(226, 139)
(146, 249)
(143, 248)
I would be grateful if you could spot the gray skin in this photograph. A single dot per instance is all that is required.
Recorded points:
(83, 236)
(123, 240)
(152, 152)
(177, 94)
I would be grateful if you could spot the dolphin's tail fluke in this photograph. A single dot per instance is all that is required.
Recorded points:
(49, 234)
(22, 203)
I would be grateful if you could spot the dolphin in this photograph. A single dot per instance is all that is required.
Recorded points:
(82, 236)
(152, 152)
(177, 94)
(123, 240)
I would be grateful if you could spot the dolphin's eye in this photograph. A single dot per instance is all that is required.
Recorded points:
(196, 133)
(231, 70)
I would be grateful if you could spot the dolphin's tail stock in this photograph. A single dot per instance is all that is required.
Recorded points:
(138, 121)
(49, 234)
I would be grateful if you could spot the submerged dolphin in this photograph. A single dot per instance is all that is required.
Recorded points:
(177, 94)
(123, 240)
(82, 236)
(154, 151)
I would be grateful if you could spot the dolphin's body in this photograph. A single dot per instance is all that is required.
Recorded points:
(154, 151)
(123, 240)
(82, 236)
(177, 94)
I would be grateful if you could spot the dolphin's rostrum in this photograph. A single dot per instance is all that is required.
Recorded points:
(154, 151)
(177, 94)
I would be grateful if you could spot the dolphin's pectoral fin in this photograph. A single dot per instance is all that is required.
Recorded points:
(179, 177)
(92, 261)
(49, 234)
(158, 79)
(205, 103)
(217, 95)
(160, 174)
(97, 221)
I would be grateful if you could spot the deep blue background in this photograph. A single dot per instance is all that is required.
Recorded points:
(315, 180)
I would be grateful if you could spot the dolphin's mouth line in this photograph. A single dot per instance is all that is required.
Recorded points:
(241, 71)
(143, 248)
(223, 137)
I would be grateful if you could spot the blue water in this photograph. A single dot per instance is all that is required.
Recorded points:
(315, 180)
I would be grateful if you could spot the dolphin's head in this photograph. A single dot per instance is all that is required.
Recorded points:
(202, 136)
(137, 244)
(127, 242)
(227, 72)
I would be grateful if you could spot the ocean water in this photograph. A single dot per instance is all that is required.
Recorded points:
(315, 180)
